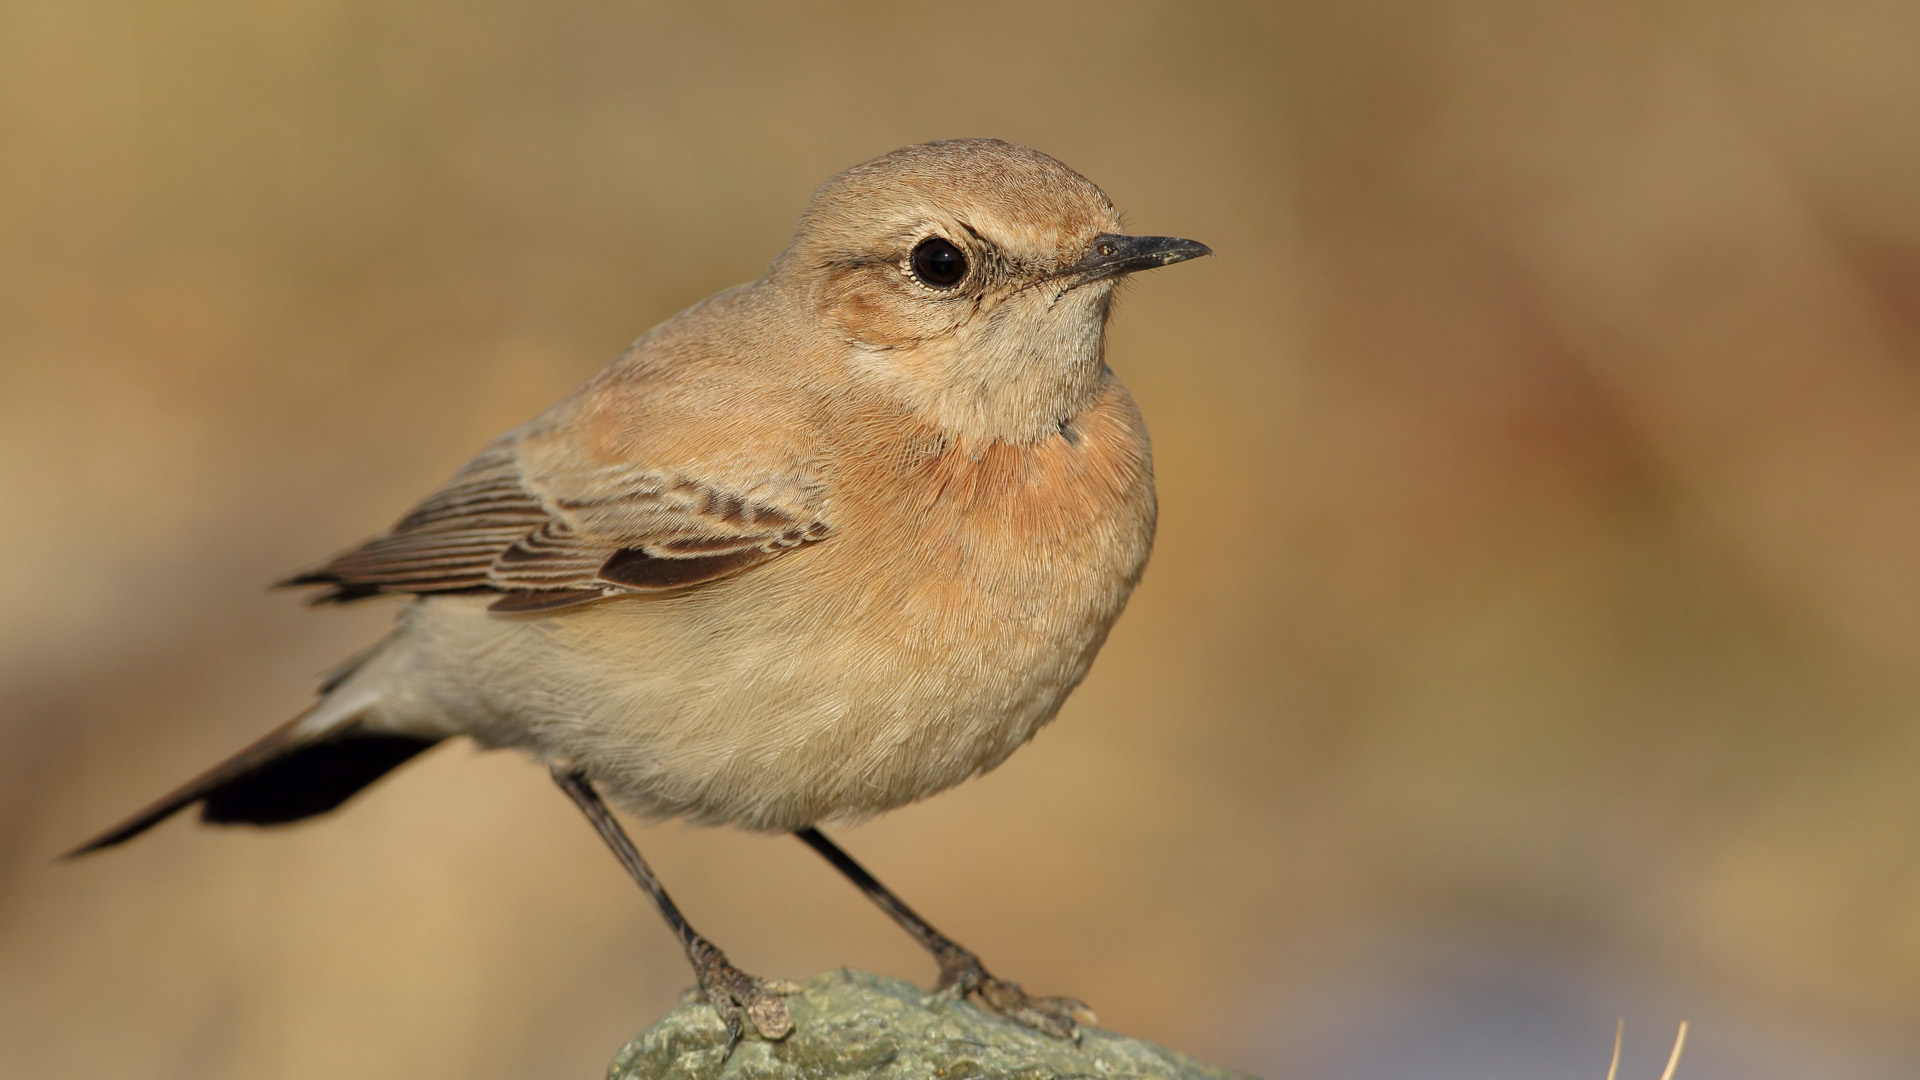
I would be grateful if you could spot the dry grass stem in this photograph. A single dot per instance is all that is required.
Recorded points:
(1673, 1060)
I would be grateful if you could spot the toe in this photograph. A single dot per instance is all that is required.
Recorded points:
(1053, 1015)
(1057, 1024)
(770, 1015)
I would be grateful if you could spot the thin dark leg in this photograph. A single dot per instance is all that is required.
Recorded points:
(960, 970)
(737, 996)
(949, 953)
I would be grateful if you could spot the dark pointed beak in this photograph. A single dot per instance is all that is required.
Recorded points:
(1114, 254)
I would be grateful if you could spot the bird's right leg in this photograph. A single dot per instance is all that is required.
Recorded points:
(961, 971)
(737, 996)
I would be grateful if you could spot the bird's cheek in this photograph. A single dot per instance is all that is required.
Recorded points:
(867, 316)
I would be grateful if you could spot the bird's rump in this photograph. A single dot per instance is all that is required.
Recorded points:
(553, 542)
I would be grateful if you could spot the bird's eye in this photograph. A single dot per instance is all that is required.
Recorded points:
(938, 263)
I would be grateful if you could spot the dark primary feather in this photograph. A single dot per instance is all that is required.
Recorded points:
(487, 531)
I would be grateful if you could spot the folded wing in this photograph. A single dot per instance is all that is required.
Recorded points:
(544, 546)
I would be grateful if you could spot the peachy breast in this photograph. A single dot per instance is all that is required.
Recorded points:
(1057, 530)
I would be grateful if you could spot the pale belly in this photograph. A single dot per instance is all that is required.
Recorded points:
(769, 714)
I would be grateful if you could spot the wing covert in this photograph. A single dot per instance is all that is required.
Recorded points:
(490, 529)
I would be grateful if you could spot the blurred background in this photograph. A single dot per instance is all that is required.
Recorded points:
(1533, 637)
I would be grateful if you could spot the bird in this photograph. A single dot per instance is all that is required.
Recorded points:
(817, 547)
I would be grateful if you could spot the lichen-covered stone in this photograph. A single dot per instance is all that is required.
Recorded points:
(851, 1023)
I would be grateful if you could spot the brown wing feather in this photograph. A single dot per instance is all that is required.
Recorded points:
(487, 531)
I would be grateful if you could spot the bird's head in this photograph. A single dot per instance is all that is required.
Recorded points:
(971, 279)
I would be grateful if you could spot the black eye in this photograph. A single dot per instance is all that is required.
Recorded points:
(938, 263)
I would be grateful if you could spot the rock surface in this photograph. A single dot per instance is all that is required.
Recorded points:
(851, 1023)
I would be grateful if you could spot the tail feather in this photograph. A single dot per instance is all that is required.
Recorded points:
(312, 780)
(283, 777)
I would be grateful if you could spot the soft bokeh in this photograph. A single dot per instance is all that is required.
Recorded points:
(1533, 637)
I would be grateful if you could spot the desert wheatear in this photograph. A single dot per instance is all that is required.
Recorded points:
(814, 548)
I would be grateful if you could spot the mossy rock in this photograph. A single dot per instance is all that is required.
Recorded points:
(851, 1023)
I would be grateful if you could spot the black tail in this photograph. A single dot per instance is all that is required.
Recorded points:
(279, 779)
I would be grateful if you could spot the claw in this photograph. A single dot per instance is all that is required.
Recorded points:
(735, 1029)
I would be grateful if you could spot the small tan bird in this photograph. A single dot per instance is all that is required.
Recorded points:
(814, 548)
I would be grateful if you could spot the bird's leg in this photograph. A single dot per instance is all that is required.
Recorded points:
(735, 995)
(961, 972)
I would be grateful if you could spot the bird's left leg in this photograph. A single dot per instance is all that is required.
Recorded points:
(738, 997)
(960, 970)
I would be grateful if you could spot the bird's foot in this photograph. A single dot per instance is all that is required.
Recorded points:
(962, 974)
(740, 998)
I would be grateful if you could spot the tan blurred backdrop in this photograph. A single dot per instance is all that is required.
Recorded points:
(1533, 636)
